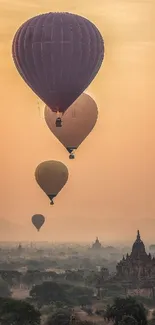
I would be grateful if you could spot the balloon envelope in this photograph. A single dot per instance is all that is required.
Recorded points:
(77, 122)
(38, 220)
(58, 55)
(51, 176)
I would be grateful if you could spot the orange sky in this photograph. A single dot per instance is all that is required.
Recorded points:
(111, 189)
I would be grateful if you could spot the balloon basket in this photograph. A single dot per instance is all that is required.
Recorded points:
(71, 156)
(58, 122)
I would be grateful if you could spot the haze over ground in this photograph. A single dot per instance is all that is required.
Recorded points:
(110, 192)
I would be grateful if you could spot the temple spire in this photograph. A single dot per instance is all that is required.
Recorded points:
(138, 235)
(138, 247)
(97, 244)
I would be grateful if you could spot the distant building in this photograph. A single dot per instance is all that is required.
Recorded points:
(137, 270)
(97, 245)
(19, 247)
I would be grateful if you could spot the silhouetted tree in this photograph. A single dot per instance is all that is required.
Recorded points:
(74, 276)
(128, 320)
(4, 289)
(126, 306)
(12, 277)
(65, 317)
(60, 317)
(18, 312)
(52, 292)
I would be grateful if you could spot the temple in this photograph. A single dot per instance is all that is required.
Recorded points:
(19, 247)
(138, 268)
(97, 245)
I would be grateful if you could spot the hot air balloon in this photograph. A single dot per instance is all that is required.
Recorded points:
(51, 176)
(58, 55)
(38, 220)
(78, 121)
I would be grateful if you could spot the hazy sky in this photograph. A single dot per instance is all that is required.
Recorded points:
(111, 189)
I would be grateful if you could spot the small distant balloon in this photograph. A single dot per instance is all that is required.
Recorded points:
(77, 122)
(38, 221)
(51, 176)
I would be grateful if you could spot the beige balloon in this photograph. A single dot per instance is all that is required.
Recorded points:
(38, 220)
(51, 176)
(77, 122)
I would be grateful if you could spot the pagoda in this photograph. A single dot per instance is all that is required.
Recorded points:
(138, 266)
(96, 245)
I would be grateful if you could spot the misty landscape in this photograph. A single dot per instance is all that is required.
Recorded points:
(73, 283)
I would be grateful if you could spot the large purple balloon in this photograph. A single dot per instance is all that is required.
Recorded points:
(58, 55)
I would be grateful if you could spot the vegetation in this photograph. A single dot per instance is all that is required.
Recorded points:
(65, 317)
(4, 289)
(18, 312)
(51, 292)
(126, 307)
(128, 320)
(149, 302)
(60, 317)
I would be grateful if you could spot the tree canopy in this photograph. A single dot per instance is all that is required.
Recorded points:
(128, 320)
(126, 306)
(59, 317)
(52, 292)
(4, 289)
(65, 317)
(18, 312)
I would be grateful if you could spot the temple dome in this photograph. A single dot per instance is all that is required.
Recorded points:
(97, 244)
(138, 247)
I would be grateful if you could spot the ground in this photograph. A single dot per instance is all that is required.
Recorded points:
(20, 293)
